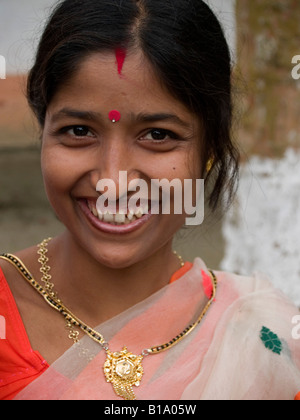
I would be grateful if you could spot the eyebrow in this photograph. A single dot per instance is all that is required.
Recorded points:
(152, 118)
(74, 113)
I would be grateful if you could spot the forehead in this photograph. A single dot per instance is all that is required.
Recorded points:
(117, 79)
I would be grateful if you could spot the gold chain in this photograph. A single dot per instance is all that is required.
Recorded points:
(122, 369)
(180, 258)
(46, 277)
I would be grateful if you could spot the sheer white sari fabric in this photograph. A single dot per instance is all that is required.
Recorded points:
(227, 357)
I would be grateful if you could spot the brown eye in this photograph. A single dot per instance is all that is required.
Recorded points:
(160, 135)
(80, 131)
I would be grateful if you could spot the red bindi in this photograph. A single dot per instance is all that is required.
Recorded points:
(114, 116)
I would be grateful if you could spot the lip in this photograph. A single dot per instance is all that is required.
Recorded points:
(109, 228)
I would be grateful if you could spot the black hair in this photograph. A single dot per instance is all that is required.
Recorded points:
(183, 41)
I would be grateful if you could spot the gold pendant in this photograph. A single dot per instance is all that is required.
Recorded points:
(123, 370)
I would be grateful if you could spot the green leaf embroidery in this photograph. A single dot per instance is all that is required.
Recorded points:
(271, 340)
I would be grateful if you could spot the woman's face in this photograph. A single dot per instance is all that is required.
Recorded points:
(156, 138)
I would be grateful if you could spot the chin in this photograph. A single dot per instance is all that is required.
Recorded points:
(114, 257)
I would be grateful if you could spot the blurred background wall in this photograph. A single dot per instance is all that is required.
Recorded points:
(262, 230)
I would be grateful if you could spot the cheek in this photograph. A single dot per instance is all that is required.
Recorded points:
(52, 170)
(59, 174)
(54, 184)
(181, 164)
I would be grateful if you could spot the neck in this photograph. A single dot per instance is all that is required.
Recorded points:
(96, 292)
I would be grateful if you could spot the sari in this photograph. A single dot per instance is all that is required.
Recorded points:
(242, 350)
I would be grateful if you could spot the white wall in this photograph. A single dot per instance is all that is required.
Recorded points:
(21, 22)
(225, 10)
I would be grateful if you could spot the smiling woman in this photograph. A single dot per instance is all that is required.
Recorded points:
(142, 88)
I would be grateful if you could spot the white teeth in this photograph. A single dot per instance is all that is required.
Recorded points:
(130, 216)
(139, 213)
(118, 218)
(92, 208)
(109, 218)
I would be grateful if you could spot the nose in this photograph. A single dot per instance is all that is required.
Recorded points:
(114, 158)
(116, 163)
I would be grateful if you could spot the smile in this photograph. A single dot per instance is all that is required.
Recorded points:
(118, 223)
(124, 217)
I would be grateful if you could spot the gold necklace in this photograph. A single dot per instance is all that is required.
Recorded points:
(122, 369)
